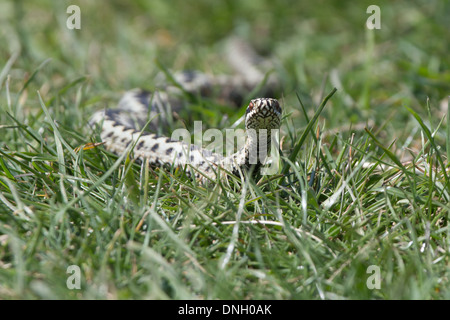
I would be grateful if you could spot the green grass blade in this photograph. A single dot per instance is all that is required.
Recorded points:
(431, 139)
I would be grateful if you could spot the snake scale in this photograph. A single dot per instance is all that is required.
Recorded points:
(121, 127)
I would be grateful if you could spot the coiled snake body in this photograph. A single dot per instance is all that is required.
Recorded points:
(121, 127)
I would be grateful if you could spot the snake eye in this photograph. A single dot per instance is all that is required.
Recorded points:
(250, 106)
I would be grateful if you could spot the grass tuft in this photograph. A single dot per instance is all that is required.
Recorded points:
(363, 186)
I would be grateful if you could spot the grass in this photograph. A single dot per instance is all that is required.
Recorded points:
(310, 232)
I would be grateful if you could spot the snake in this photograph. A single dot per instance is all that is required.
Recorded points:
(121, 128)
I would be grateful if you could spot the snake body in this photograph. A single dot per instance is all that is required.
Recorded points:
(121, 127)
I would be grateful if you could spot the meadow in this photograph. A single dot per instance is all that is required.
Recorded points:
(359, 208)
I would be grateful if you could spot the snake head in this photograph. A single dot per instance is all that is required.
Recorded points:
(263, 113)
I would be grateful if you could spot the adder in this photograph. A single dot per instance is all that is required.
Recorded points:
(121, 127)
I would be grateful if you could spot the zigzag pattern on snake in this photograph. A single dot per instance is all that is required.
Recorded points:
(121, 127)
